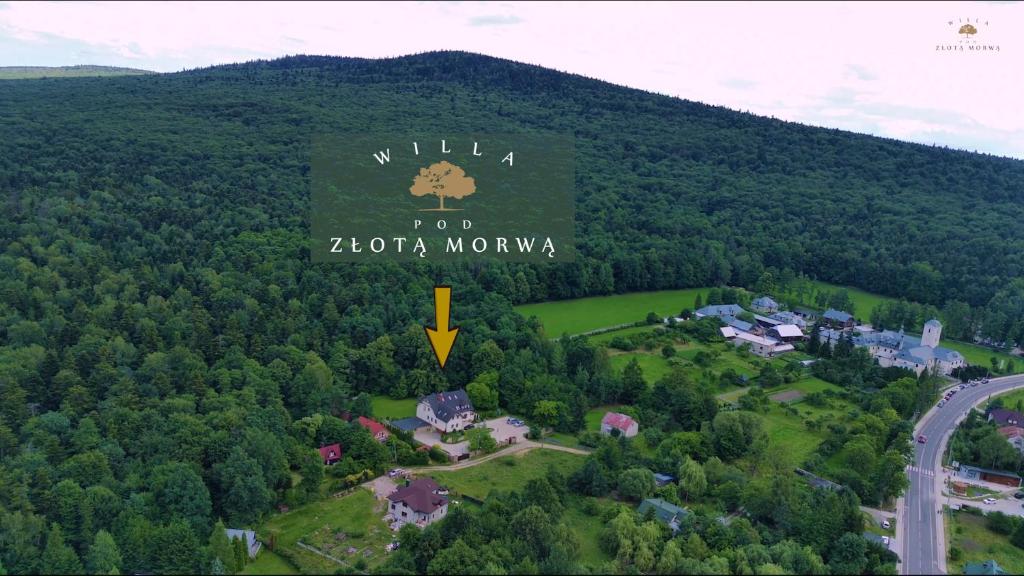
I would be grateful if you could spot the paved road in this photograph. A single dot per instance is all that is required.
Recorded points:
(922, 537)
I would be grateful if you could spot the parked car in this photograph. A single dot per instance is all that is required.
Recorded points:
(941, 403)
(396, 472)
(885, 540)
(886, 524)
(1018, 495)
(989, 501)
(921, 439)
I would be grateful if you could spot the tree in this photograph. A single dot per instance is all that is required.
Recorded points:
(636, 483)
(104, 556)
(480, 439)
(444, 180)
(483, 392)
(58, 557)
(180, 492)
(244, 496)
(692, 481)
(848, 554)
(633, 383)
(221, 549)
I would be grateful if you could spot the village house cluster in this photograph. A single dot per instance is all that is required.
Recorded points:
(772, 332)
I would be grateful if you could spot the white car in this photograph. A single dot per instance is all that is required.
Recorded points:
(886, 525)
(989, 501)
(885, 540)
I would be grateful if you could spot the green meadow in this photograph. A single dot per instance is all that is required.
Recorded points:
(585, 314)
(510, 472)
(390, 409)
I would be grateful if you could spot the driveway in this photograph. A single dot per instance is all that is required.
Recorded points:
(381, 486)
(431, 437)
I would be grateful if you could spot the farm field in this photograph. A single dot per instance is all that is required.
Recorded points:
(391, 409)
(585, 314)
(510, 472)
(977, 543)
(334, 526)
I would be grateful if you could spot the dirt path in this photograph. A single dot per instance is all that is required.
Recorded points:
(514, 449)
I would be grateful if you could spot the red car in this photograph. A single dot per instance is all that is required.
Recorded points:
(922, 439)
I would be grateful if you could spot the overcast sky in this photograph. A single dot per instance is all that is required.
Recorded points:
(870, 67)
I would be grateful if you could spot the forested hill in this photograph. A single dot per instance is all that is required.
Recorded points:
(169, 356)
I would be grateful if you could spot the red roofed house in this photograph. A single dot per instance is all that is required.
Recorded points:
(376, 429)
(1014, 435)
(330, 454)
(418, 502)
(615, 421)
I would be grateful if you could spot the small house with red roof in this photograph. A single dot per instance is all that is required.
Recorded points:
(376, 429)
(330, 454)
(615, 421)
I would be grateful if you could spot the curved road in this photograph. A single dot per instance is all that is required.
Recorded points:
(921, 534)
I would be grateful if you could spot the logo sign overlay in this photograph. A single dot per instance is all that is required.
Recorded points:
(443, 197)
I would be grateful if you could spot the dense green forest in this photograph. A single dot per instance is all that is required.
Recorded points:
(168, 355)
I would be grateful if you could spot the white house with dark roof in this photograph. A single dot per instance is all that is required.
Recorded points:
(419, 502)
(446, 411)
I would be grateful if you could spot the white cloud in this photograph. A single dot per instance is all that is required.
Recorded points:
(870, 67)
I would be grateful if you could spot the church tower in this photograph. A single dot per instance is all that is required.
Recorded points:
(932, 333)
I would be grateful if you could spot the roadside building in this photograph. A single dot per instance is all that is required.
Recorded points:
(988, 475)
(624, 424)
(902, 350)
(419, 502)
(446, 411)
(1006, 417)
(1014, 435)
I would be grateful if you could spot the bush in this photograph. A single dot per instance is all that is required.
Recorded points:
(668, 351)
(955, 553)
(653, 318)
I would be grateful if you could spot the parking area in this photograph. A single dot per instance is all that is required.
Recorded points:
(502, 431)
(382, 486)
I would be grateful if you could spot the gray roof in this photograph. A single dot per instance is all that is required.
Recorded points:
(737, 323)
(447, 405)
(721, 310)
(933, 322)
(789, 318)
(409, 424)
(837, 315)
(765, 302)
(664, 511)
(249, 538)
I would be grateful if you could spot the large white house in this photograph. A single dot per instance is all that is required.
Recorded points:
(446, 411)
(905, 351)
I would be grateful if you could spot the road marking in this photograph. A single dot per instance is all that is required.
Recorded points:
(921, 471)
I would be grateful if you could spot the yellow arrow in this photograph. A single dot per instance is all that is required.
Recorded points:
(442, 338)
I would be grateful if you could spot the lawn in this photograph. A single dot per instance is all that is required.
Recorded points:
(585, 314)
(390, 409)
(654, 366)
(977, 543)
(606, 337)
(1010, 399)
(593, 416)
(510, 472)
(790, 431)
(332, 525)
(588, 530)
(863, 302)
(269, 563)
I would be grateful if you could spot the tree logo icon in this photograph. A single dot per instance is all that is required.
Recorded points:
(444, 180)
(968, 30)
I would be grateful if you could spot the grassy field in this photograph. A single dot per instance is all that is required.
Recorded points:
(977, 544)
(508, 472)
(606, 337)
(1010, 399)
(269, 563)
(391, 409)
(33, 72)
(863, 302)
(358, 515)
(594, 415)
(588, 530)
(584, 314)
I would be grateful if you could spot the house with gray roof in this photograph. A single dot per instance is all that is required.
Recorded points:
(765, 305)
(446, 411)
(664, 512)
(838, 318)
(720, 310)
(787, 317)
